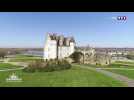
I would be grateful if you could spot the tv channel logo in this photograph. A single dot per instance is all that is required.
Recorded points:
(122, 18)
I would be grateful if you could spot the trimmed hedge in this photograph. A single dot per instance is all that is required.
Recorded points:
(47, 66)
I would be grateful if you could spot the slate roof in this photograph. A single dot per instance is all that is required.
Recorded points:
(62, 38)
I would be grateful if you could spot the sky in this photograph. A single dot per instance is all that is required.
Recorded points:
(97, 29)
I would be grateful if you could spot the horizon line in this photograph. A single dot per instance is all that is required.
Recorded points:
(75, 45)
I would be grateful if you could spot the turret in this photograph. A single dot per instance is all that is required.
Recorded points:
(61, 39)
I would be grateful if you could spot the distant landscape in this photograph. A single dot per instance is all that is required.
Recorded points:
(67, 49)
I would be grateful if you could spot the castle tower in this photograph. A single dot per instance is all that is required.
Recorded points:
(58, 46)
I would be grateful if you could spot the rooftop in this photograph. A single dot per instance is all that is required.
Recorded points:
(60, 38)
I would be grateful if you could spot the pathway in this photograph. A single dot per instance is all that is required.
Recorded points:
(12, 69)
(14, 63)
(126, 80)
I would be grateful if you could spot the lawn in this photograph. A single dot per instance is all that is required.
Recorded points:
(128, 73)
(7, 66)
(120, 64)
(24, 58)
(117, 64)
(74, 77)
(124, 62)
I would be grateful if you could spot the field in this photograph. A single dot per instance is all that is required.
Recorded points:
(125, 68)
(129, 71)
(24, 58)
(74, 77)
(7, 66)
(117, 64)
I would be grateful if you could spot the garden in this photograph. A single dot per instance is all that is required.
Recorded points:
(73, 77)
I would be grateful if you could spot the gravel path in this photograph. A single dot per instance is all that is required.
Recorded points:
(126, 80)
(2, 70)
(19, 64)
(14, 63)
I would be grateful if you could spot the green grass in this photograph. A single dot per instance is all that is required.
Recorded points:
(117, 64)
(120, 64)
(128, 73)
(124, 62)
(24, 58)
(74, 77)
(7, 66)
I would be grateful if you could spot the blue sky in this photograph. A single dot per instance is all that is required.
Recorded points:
(98, 29)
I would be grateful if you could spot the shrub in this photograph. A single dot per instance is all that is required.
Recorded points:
(76, 56)
(31, 67)
(47, 66)
(130, 57)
